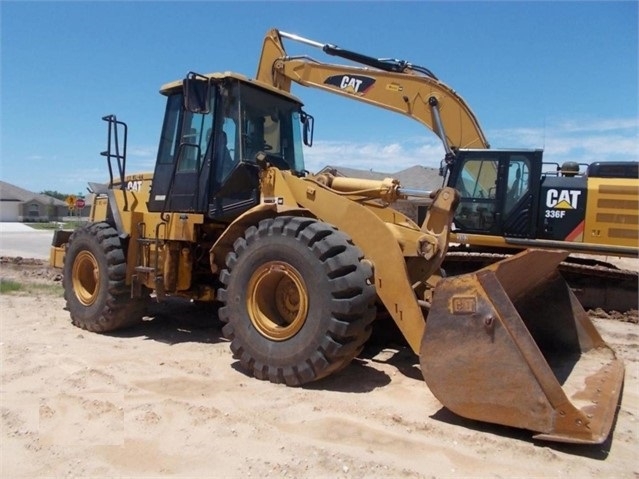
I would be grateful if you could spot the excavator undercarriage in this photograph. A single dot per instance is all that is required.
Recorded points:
(597, 284)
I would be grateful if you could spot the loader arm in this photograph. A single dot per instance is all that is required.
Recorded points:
(390, 84)
(386, 238)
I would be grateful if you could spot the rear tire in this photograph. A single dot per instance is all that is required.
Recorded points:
(298, 301)
(94, 281)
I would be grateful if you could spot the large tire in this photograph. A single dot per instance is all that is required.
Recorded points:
(298, 300)
(94, 281)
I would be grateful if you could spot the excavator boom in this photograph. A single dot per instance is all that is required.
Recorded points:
(394, 85)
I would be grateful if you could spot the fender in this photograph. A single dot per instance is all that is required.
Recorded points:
(236, 229)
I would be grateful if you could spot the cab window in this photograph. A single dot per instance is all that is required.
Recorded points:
(518, 181)
(169, 135)
(196, 133)
(477, 187)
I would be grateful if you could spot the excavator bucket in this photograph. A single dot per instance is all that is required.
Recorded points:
(510, 344)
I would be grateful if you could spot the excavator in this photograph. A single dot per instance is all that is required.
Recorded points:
(300, 264)
(510, 199)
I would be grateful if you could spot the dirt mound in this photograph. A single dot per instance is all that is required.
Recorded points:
(28, 269)
(631, 316)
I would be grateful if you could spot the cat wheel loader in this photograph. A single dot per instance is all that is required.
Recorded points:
(300, 263)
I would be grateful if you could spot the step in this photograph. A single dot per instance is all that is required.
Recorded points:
(144, 269)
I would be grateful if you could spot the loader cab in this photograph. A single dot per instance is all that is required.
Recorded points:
(498, 191)
(213, 128)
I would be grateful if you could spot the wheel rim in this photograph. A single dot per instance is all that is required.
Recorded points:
(85, 278)
(277, 301)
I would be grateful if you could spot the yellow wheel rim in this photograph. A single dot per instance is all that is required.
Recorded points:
(85, 277)
(277, 301)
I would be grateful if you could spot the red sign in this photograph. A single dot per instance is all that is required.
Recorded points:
(79, 203)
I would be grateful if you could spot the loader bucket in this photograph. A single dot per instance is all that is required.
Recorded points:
(510, 344)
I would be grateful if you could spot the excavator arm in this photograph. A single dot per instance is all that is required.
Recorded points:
(395, 85)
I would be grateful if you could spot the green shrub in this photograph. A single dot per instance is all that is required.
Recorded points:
(8, 285)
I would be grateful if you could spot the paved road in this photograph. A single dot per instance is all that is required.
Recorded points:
(18, 239)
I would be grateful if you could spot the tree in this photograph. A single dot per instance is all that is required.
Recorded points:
(55, 194)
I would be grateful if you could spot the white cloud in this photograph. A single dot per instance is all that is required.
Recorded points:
(615, 124)
(382, 157)
(142, 151)
(582, 141)
(141, 158)
(568, 140)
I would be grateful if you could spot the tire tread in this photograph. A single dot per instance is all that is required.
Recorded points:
(352, 298)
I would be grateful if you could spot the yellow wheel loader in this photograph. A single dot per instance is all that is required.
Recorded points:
(300, 262)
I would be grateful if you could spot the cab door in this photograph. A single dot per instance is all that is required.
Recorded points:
(519, 206)
(184, 145)
(475, 177)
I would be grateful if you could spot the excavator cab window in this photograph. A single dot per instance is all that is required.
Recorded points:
(518, 182)
(476, 184)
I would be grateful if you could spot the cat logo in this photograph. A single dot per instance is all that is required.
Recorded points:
(559, 201)
(354, 84)
(134, 185)
(562, 199)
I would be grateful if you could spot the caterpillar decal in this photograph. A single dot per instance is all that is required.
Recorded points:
(563, 203)
(563, 199)
(354, 84)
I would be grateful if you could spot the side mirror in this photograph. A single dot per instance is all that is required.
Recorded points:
(197, 93)
(308, 123)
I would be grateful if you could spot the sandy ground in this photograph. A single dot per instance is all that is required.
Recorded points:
(166, 399)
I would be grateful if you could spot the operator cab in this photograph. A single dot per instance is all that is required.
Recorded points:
(213, 128)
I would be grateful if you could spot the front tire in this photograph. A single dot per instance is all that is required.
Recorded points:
(94, 281)
(298, 301)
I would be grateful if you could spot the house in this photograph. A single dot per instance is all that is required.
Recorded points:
(414, 178)
(18, 204)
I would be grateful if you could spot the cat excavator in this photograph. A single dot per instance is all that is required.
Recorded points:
(302, 263)
(510, 199)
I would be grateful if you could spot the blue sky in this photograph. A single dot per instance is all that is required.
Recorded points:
(555, 75)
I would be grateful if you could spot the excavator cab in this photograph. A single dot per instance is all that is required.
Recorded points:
(498, 191)
(214, 126)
